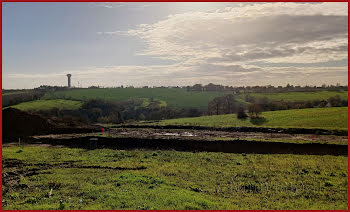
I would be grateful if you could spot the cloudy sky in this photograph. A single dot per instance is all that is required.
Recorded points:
(113, 44)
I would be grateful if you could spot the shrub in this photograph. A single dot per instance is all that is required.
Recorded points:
(241, 113)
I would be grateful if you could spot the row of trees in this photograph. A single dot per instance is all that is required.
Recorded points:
(266, 89)
(17, 97)
(101, 111)
(228, 105)
(223, 105)
(272, 105)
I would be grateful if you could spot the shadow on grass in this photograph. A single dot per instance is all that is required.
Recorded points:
(258, 120)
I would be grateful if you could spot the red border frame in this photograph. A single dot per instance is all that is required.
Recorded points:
(170, 1)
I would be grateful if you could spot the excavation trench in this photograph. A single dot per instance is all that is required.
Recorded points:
(227, 146)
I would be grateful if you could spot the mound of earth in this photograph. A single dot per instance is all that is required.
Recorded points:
(17, 123)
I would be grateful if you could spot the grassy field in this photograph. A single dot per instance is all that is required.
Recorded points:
(300, 96)
(14, 92)
(176, 97)
(323, 118)
(179, 97)
(49, 104)
(114, 179)
(146, 102)
(293, 141)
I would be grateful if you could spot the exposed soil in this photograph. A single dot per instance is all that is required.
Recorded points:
(216, 135)
(13, 170)
(237, 146)
(202, 135)
(197, 140)
(17, 123)
(246, 129)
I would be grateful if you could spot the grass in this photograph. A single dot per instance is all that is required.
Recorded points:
(323, 118)
(146, 102)
(179, 97)
(176, 97)
(300, 96)
(283, 140)
(48, 105)
(174, 180)
(14, 92)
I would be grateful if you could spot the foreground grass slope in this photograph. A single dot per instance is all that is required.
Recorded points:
(323, 118)
(114, 179)
(176, 97)
(48, 105)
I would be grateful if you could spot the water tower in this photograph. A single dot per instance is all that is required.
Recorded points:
(69, 75)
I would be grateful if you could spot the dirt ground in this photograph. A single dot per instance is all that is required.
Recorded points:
(202, 135)
(209, 134)
(196, 140)
(17, 123)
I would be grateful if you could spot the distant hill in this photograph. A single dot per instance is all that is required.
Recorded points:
(176, 97)
(322, 118)
(180, 97)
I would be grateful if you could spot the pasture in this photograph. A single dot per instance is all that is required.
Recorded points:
(38, 105)
(176, 97)
(322, 118)
(300, 96)
(180, 98)
(72, 178)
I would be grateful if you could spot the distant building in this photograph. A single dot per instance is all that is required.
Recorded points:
(69, 76)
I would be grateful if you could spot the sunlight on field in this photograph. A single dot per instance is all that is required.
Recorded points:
(323, 118)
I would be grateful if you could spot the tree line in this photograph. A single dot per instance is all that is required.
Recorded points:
(17, 97)
(228, 104)
(103, 111)
(265, 89)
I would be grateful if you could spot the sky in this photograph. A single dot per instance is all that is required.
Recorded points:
(174, 44)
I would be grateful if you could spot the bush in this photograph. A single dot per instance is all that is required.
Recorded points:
(241, 113)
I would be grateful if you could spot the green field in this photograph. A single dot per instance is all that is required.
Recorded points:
(323, 118)
(14, 92)
(180, 98)
(176, 97)
(300, 96)
(48, 105)
(146, 102)
(104, 179)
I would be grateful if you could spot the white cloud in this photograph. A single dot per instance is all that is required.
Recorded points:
(126, 5)
(217, 46)
(283, 31)
(226, 40)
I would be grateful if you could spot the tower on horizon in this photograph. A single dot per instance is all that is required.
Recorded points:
(69, 75)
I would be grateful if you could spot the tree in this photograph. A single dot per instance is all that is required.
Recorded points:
(335, 101)
(254, 109)
(241, 113)
(214, 106)
(223, 105)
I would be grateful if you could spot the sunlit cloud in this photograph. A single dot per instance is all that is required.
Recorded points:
(262, 43)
